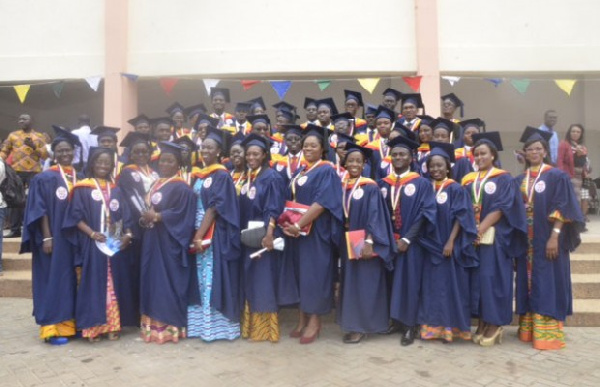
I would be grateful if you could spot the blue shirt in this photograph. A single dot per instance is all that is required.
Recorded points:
(553, 143)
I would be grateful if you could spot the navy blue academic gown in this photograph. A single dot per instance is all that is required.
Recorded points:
(54, 281)
(492, 281)
(551, 291)
(417, 203)
(261, 201)
(226, 292)
(168, 280)
(307, 266)
(446, 300)
(86, 206)
(364, 302)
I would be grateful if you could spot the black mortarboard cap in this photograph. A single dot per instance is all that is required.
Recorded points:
(442, 123)
(456, 101)
(191, 111)
(404, 142)
(222, 137)
(242, 107)
(491, 138)
(532, 133)
(105, 131)
(342, 117)
(309, 101)
(327, 102)
(443, 149)
(237, 138)
(414, 98)
(320, 132)
(284, 105)
(352, 147)
(161, 120)
(259, 118)
(290, 115)
(258, 101)
(425, 119)
(203, 117)
(133, 138)
(139, 119)
(383, 112)
(394, 93)
(187, 141)
(63, 134)
(220, 90)
(355, 95)
(290, 128)
(371, 109)
(476, 122)
(404, 131)
(176, 107)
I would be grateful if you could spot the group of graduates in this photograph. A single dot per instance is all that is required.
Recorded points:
(384, 218)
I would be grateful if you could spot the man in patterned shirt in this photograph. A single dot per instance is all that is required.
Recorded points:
(27, 148)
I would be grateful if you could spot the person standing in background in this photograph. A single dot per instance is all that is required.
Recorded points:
(27, 148)
(86, 139)
(550, 120)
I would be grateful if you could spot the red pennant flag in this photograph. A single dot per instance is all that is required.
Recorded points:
(247, 84)
(413, 82)
(168, 84)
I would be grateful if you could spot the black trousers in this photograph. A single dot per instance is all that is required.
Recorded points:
(16, 214)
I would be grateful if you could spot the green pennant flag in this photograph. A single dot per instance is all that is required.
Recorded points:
(323, 84)
(520, 84)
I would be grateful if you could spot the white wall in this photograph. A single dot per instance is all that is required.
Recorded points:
(520, 36)
(180, 37)
(51, 39)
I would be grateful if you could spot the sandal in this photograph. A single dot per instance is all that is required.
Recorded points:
(113, 336)
(353, 337)
(94, 339)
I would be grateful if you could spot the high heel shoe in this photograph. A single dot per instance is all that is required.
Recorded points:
(490, 341)
(295, 334)
(477, 337)
(310, 339)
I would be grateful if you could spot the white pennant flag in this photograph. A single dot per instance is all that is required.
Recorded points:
(452, 80)
(94, 82)
(208, 83)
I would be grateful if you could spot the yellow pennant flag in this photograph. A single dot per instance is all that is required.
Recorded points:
(22, 91)
(369, 84)
(565, 85)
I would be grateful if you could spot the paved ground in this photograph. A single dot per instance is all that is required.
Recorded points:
(378, 361)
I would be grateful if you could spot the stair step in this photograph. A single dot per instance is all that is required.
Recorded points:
(11, 245)
(16, 284)
(585, 263)
(16, 262)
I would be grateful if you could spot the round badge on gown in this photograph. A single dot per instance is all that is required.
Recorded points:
(358, 194)
(156, 198)
(113, 205)
(62, 193)
(410, 189)
(540, 186)
(490, 187)
(424, 167)
(384, 192)
(252, 193)
(244, 189)
(442, 198)
(136, 177)
(384, 164)
(207, 183)
(279, 167)
(302, 180)
(96, 195)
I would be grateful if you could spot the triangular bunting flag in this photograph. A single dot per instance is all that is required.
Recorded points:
(57, 88)
(323, 84)
(451, 79)
(131, 77)
(22, 91)
(94, 82)
(369, 84)
(495, 81)
(168, 84)
(208, 83)
(281, 87)
(413, 82)
(520, 84)
(566, 85)
(247, 85)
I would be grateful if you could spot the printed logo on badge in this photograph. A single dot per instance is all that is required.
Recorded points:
(540, 186)
(252, 193)
(279, 167)
(410, 190)
(136, 177)
(490, 187)
(244, 189)
(62, 193)
(113, 205)
(424, 167)
(156, 198)
(302, 180)
(384, 192)
(358, 194)
(384, 164)
(207, 183)
(442, 198)
(96, 195)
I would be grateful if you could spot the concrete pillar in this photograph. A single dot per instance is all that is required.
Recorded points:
(428, 61)
(120, 94)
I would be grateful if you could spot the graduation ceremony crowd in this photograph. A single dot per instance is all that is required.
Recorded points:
(205, 224)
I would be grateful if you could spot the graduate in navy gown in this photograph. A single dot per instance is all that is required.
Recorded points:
(308, 269)
(445, 311)
(218, 264)
(53, 272)
(134, 182)
(287, 165)
(544, 290)
(465, 163)
(364, 302)
(261, 200)
(501, 227)
(381, 162)
(168, 282)
(411, 203)
(96, 214)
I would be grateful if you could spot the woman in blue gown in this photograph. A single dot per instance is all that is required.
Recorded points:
(554, 219)
(54, 281)
(96, 214)
(445, 310)
(261, 200)
(364, 302)
(308, 268)
(217, 244)
(501, 228)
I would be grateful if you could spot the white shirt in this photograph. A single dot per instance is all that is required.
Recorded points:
(87, 140)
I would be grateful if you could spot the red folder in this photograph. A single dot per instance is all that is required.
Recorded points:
(292, 213)
(355, 241)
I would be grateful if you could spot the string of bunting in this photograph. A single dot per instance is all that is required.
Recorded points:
(281, 87)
